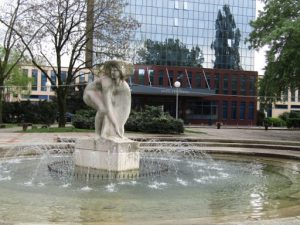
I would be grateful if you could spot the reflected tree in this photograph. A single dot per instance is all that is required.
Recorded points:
(170, 52)
(227, 40)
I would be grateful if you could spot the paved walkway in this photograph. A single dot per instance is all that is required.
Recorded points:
(14, 136)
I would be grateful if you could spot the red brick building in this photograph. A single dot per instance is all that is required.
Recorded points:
(206, 95)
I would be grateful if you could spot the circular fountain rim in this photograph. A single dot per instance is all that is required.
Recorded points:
(244, 151)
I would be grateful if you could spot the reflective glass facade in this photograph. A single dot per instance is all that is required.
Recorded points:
(192, 22)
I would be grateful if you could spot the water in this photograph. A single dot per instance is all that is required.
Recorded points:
(195, 188)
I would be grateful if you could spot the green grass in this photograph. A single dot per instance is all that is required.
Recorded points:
(193, 131)
(10, 125)
(55, 130)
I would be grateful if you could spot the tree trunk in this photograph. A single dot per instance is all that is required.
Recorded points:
(61, 103)
(1, 101)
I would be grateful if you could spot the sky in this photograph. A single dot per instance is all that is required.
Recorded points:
(260, 60)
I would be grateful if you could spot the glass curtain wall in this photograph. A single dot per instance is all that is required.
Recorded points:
(192, 23)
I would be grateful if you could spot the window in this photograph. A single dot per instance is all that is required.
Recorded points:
(161, 78)
(217, 83)
(243, 85)
(141, 76)
(242, 110)
(198, 80)
(81, 77)
(225, 84)
(43, 82)
(225, 110)
(252, 86)
(251, 111)
(90, 77)
(281, 106)
(151, 76)
(233, 110)
(234, 85)
(63, 76)
(53, 78)
(295, 106)
(34, 75)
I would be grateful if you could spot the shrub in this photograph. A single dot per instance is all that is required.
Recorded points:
(284, 116)
(84, 119)
(293, 123)
(260, 118)
(294, 114)
(153, 120)
(275, 122)
(30, 112)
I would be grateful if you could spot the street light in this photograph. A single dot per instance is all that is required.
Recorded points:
(48, 85)
(177, 85)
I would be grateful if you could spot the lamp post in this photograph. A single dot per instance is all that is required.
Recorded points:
(177, 86)
(48, 85)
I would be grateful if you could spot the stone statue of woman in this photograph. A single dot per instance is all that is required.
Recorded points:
(110, 96)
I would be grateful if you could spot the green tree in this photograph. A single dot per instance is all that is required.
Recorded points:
(226, 44)
(170, 52)
(18, 82)
(278, 27)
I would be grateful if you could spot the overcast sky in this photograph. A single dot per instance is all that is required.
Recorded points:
(260, 55)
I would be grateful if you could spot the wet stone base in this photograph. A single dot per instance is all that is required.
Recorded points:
(66, 168)
(110, 155)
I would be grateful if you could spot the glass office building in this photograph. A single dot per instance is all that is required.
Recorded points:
(193, 23)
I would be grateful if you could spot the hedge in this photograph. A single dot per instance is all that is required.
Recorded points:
(293, 123)
(275, 122)
(151, 120)
(84, 119)
(30, 112)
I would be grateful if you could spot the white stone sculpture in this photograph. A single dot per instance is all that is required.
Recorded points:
(110, 96)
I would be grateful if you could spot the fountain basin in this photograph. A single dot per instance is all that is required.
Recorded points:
(196, 188)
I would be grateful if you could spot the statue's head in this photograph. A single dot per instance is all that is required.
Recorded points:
(124, 68)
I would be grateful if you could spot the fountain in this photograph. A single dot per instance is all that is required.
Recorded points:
(110, 179)
(110, 96)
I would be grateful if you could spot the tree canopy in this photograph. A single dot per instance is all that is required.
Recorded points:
(170, 52)
(65, 30)
(278, 27)
(226, 44)
(11, 49)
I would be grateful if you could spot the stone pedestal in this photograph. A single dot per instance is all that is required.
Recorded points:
(103, 154)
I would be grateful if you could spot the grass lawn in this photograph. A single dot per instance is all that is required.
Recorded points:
(55, 130)
(190, 130)
(10, 125)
